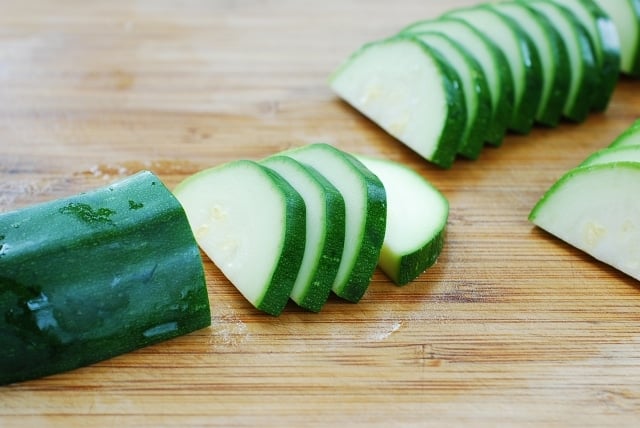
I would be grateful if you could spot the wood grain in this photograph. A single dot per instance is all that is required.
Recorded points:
(511, 327)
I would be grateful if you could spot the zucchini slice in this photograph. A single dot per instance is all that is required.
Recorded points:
(629, 137)
(92, 276)
(625, 15)
(325, 218)
(492, 61)
(365, 214)
(522, 57)
(614, 154)
(606, 46)
(553, 58)
(417, 216)
(474, 86)
(252, 224)
(584, 74)
(410, 91)
(595, 209)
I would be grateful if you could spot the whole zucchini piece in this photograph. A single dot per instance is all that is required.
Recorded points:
(92, 276)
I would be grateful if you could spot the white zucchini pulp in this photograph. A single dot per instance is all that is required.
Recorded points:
(417, 216)
(325, 219)
(365, 214)
(595, 209)
(491, 60)
(251, 223)
(409, 92)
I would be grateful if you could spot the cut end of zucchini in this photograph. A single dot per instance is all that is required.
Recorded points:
(92, 276)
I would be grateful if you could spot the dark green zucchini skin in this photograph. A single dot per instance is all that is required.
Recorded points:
(92, 276)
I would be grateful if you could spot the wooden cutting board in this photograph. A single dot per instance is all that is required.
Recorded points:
(511, 327)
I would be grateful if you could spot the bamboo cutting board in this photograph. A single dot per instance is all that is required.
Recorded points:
(511, 327)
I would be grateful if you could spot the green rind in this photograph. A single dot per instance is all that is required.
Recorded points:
(478, 120)
(354, 283)
(445, 150)
(525, 108)
(327, 259)
(555, 90)
(414, 264)
(503, 99)
(92, 276)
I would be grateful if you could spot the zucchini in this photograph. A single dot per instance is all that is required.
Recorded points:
(629, 137)
(613, 154)
(625, 15)
(606, 46)
(595, 209)
(325, 225)
(522, 57)
(584, 74)
(92, 276)
(365, 214)
(410, 91)
(417, 216)
(475, 89)
(553, 58)
(492, 61)
(251, 223)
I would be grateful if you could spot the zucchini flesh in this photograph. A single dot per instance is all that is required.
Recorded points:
(92, 276)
